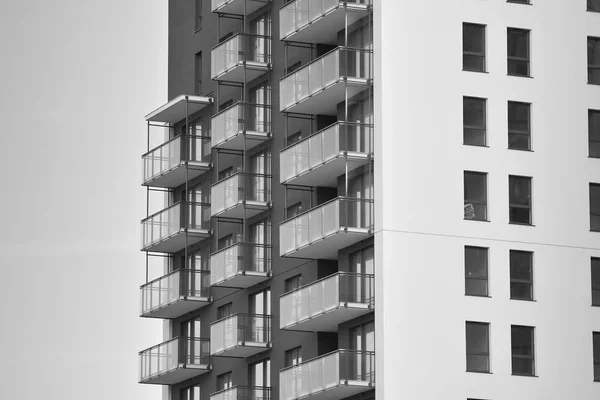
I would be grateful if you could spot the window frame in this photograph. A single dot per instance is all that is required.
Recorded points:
(478, 55)
(487, 271)
(292, 357)
(520, 356)
(520, 206)
(524, 2)
(590, 5)
(594, 218)
(596, 361)
(513, 132)
(469, 201)
(486, 353)
(593, 67)
(595, 272)
(466, 127)
(510, 58)
(593, 143)
(516, 281)
(198, 15)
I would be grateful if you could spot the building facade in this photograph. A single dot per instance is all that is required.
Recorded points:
(348, 187)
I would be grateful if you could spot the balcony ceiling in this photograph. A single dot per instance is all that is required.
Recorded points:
(237, 7)
(339, 392)
(325, 101)
(326, 175)
(252, 208)
(236, 142)
(176, 176)
(176, 375)
(331, 319)
(236, 73)
(244, 350)
(243, 279)
(175, 110)
(176, 242)
(179, 307)
(328, 248)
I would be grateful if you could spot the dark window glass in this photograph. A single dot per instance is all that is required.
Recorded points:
(478, 347)
(523, 361)
(190, 393)
(594, 60)
(294, 210)
(292, 283)
(593, 5)
(198, 13)
(198, 73)
(594, 132)
(519, 188)
(473, 47)
(521, 275)
(519, 125)
(595, 207)
(293, 357)
(596, 281)
(224, 311)
(596, 337)
(224, 381)
(474, 121)
(294, 137)
(518, 1)
(518, 52)
(476, 271)
(475, 196)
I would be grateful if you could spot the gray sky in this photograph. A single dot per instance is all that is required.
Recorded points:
(77, 78)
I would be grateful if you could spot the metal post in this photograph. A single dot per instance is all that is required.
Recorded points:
(186, 203)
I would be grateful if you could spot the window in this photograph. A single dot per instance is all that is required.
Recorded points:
(259, 374)
(522, 340)
(594, 132)
(190, 328)
(475, 195)
(594, 60)
(294, 210)
(478, 346)
(224, 311)
(521, 275)
(225, 241)
(198, 73)
(474, 121)
(519, 198)
(260, 302)
(593, 5)
(293, 357)
(198, 14)
(596, 345)
(362, 339)
(190, 393)
(476, 271)
(473, 47)
(225, 104)
(225, 173)
(294, 67)
(596, 281)
(519, 125)
(518, 52)
(292, 283)
(293, 138)
(595, 207)
(224, 381)
(518, 1)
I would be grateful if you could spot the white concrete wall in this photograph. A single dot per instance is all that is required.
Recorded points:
(421, 306)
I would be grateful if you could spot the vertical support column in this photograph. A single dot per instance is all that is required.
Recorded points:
(186, 203)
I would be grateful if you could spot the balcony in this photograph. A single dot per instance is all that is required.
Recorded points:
(237, 7)
(319, 21)
(321, 232)
(243, 393)
(166, 165)
(326, 303)
(172, 229)
(174, 361)
(321, 158)
(241, 195)
(241, 58)
(175, 294)
(240, 335)
(241, 126)
(240, 265)
(337, 375)
(318, 87)
(179, 108)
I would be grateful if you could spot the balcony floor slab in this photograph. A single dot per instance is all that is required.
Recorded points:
(237, 7)
(236, 211)
(331, 319)
(177, 308)
(326, 174)
(251, 139)
(244, 69)
(325, 101)
(179, 374)
(341, 391)
(176, 242)
(244, 350)
(244, 279)
(176, 176)
(328, 247)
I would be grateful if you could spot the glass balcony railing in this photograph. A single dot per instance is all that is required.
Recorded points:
(325, 296)
(340, 214)
(252, 119)
(325, 71)
(250, 260)
(240, 330)
(243, 393)
(178, 285)
(251, 190)
(168, 156)
(160, 364)
(326, 145)
(165, 224)
(345, 368)
(253, 51)
(299, 14)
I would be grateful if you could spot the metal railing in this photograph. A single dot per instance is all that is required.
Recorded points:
(237, 49)
(325, 295)
(171, 220)
(324, 220)
(169, 355)
(228, 332)
(298, 14)
(240, 117)
(325, 145)
(172, 153)
(240, 187)
(243, 393)
(239, 257)
(169, 288)
(326, 372)
(323, 72)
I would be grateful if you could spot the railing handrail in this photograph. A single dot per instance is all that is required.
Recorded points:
(327, 355)
(265, 388)
(264, 316)
(266, 176)
(176, 338)
(239, 103)
(202, 271)
(239, 34)
(339, 273)
(341, 2)
(242, 244)
(183, 135)
(324, 129)
(339, 198)
(338, 48)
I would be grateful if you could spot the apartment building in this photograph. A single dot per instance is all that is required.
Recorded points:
(347, 187)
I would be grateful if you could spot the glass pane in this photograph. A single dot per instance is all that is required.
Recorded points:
(522, 366)
(477, 363)
(522, 340)
(474, 38)
(474, 112)
(520, 190)
(521, 264)
(476, 287)
(518, 43)
(518, 68)
(518, 116)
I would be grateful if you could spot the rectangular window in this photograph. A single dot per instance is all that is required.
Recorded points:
(198, 14)
(522, 345)
(593, 60)
(292, 283)
(518, 1)
(594, 132)
(521, 275)
(475, 195)
(259, 375)
(198, 73)
(190, 393)
(593, 5)
(519, 125)
(596, 281)
(596, 350)
(519, 197)
(224, 381)
(294, 210)
(478, 346)
(293, 357)
(474, 121)
(476, 271)
(595, 207)
(224, 311)
(518, 52)
(473, 47)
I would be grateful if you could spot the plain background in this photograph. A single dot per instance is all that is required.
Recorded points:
(77, 78)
